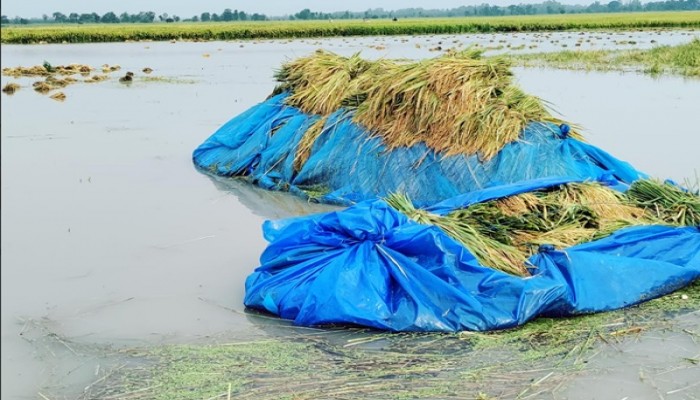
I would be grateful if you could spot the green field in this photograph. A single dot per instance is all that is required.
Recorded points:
(682, 60)
(296, 29)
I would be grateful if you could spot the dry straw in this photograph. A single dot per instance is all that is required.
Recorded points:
(459, 103)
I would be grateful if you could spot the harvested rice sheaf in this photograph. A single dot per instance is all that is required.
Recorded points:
(504, 233)
(47, 70)
(58, 96)
(459, 103)
(11, 88)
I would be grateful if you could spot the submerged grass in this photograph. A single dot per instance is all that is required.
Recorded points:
(681, 59)
(504, 233)
(459, 103)
(345, 363)
(59, 33)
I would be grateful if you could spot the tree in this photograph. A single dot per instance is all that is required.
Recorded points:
(614, 6)
(215, 17)
(205, 17)
(4, 20)
(147, 16)
(59, 17)
(304, 14)
(86, 18)
(227, 15)
(124, 17)
(195, 19)
(45, 17)
(73, 18)
(110, 18)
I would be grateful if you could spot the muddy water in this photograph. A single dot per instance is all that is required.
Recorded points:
(110, 235)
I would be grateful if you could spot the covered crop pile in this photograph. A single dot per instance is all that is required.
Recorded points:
(471, 206)
(486, 260)
(344, 129)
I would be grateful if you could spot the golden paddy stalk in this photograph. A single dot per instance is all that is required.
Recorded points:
(459, 103)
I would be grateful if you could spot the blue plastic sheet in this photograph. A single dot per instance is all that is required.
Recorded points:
(350, 165)
(370, 265)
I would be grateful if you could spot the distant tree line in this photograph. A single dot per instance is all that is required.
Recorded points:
(547, 7)
(141, 17)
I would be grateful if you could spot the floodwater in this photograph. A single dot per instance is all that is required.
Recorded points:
(110, 235)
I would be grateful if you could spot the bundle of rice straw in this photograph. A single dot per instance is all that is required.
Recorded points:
(459, 103)
(504, 233)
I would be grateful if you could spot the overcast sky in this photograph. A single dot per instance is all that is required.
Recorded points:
(35, 8)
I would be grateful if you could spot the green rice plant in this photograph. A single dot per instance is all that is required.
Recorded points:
(667, 201)
(683, 59)
(199, 31)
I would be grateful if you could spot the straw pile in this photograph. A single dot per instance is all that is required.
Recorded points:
(47, 69)
(459, 103)
(10, 88)
(504, 233)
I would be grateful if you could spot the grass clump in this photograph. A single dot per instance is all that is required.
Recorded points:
(682, 59)
(347, 363)
(459, 103)
(10, 88)
(504, 233)
(46, 69)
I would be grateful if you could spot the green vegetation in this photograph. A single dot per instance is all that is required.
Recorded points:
(682, 59)
(295, 29)
(167, 79)
(305, 363)
(546, 7)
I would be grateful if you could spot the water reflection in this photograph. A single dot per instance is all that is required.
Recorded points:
(266, 203)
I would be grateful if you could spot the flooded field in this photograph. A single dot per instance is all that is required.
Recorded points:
(110, 236)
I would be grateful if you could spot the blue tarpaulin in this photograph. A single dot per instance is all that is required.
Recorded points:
(350, 165)
(372, 266)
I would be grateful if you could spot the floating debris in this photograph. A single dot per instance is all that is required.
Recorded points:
(58, 96)
(42, 87)
(127, 78)
(96, 78)
(110, 68)
(147, 70)
(11, 88)
(37, 70)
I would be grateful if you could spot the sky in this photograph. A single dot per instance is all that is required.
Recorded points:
(35, 8)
